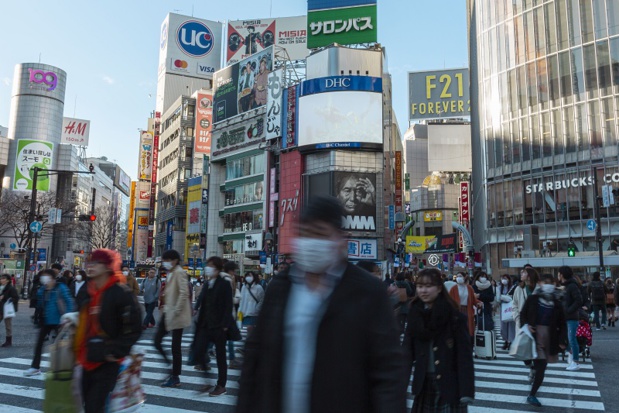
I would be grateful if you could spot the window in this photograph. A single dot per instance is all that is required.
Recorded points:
(551, 28)
(525, 135)
(529, 35)
(578, 78)
(570, 134)
(574, 22)
(581, 128)
(542, 83)
(595, 129)
(608, 122)
(614, 61)
(540, 30)
(547, 137)
(565, 73)
(553, 76)
(599, 18)
(562, 26)
(603, 68)
(590, 67)
(613, 17)
(557, 132)
(535, 137)
(586, 20)
(243, 221)
(244, 194)
(251, 165)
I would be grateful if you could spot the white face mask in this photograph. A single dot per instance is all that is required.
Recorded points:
(45, 279)
(315, 255)
(78, 277)
(548, 288)
(483, 279)
(125, 273)
(249, 279)
(167, 265)
(460, 280)
(275, 272)
(209, 271)
(504, 282)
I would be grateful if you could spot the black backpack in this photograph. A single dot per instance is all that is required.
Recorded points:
(598, 294)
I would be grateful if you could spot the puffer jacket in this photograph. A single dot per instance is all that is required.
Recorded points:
(54, 303)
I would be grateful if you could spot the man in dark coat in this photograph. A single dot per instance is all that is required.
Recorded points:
(326, 339)
(572, 303)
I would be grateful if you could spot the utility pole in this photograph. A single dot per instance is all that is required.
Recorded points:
(598, 222)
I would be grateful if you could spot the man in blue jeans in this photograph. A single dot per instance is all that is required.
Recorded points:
(150, 288)
(572, 302)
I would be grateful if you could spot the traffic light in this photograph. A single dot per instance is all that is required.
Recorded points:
(87, 217)
(571, 250)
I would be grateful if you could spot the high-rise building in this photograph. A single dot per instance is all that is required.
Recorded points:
(545, 98)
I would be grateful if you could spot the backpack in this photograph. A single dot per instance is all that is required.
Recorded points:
(598, 294)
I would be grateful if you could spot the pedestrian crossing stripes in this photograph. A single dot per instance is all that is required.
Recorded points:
(501, 385)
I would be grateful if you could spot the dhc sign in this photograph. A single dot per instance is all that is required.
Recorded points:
(341, 83)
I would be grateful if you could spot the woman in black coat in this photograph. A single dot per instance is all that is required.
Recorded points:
(8, 293)
(483, 288)
(439, 344)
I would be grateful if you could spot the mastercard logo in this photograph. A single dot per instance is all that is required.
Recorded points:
(181, 64)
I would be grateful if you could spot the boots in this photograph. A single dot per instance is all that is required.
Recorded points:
(8, 342)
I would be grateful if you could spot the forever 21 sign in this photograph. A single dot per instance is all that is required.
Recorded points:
(245, 135)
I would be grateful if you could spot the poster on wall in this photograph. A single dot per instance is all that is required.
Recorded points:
(145, 161)
(248, 37)
(357, 192)
(242, 86)
(30, 154)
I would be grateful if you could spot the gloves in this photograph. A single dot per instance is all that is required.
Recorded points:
(70, 318)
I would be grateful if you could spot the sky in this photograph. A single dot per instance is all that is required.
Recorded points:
(110, 51)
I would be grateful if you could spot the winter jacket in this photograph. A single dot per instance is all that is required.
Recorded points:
(177, 308)
(572, 300)
(151, 289)
(470, 306)
(215, 305)
(133, 285)
(54, 303)
(8, 293)
(250, 306)
(520, 297)
(558, 326)
(593, 288)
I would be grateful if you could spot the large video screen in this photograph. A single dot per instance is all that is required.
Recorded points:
(340, 117)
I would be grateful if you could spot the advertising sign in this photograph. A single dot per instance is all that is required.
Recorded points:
(143, 194)
(274, 104)
(194, 203)
(357, 192)
(340, 109)
(204, 120)
(31, 153)
(242, 86)
(253, 242)
(391, 217)
(418, 245)
(122, 181)
(347, 25)
(237, 137)
(190, 46)
(141, 236)
(439, 94)
(362, 249)
(289, 201)
(169, 235)
(398, 185)
(131, 215)
(248, 37)
(75, 131)
(334, 4)
(432, 216)
(464, 207)
(145, 167)
(442, 244)
(290, 116)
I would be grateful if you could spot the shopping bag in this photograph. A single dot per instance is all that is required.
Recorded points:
(8, 310)
(524, 347)
(507, 311)
(59, 393)
(62, 356)
(128, 395)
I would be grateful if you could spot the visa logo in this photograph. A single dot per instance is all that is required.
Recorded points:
(205, 69)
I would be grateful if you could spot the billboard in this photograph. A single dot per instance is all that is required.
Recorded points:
(362, 249)
(142, 195)
(432, 216)
(194, 210)
(145, 167)
(248, 37)
(289, 198)
(274, 104)
(441, 244)
(204, 121)
(291, 101)
(451, 140)
(237, 137)
(32, 153)
(418, 245)
(345, 25)
(131, 215)
(75, 131)
(398, 185)
(439, 94)
(334, 4)
(189, 46)
(122, 181)
(242, 86)
(141, 235)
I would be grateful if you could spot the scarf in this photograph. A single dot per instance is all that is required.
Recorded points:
(482, 286)
(546, 299)
(89, 325)
(427, 323)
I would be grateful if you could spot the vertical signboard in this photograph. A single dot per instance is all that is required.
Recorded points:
(274, 104)
(131, 215)
(141, 235)
(398, 185)
(289, 198)
(153, 184)
(145, 167)
(464, 207)
(204, 120)
(30, 154)
(290, 117)
(194, 207)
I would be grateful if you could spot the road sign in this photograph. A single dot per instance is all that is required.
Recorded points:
(13, 246)
(391, 217)
(591, 225)
(35, 226)
(434, 260)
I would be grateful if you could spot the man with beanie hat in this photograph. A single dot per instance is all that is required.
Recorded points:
(325, 339)
(109, 324)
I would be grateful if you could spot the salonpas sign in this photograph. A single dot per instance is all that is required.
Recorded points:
(569, 183)
(347, 25)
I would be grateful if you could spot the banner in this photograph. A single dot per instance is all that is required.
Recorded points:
(143, 195)
(32, 153)
(248, 37)
(238, 137)
(204, 120)
(242, 86)
(274, 104)
(141, 236)
(290, 116)
(75, 131)
(146, 151)
(418, 245)
(439, 94)
(346, 25)
(131, 215)
(432, 216)
(362, 249)
(357, 193)
(464, 206)
(442, 243)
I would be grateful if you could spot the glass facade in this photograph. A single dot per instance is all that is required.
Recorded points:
(243, 221)
(548, 100)
(247, 166)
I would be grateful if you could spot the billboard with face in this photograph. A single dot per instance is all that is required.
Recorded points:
(248, 37)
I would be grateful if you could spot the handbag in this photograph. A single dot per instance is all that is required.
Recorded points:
(507, 311)
(62, 357)
(128, 395)
(8, 311)
(95, 349)
(610, 299)
(524, 346)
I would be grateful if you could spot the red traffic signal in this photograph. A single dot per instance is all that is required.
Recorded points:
(87, 217)
(93, 217)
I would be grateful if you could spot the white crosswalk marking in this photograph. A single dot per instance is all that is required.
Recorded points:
(501, 385)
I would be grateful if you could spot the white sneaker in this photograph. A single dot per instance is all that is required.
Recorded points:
(570, 358)
(32, 372)
(573, 366)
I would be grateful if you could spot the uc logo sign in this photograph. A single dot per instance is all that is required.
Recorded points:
(194, 38)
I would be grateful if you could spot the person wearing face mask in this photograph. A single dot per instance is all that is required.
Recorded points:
(150, 289)
(54, 299)
(214, 307)
(320, 324)
(132, 283)
(438, 342)
(485, 294)
(528, 281)
(504, 294)
(465, 296)
(176, 314)
(544, 316)
(79, 289)
(7, 292)
(252, 296)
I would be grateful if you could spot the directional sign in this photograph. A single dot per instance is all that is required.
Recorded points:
(35, 226)
(591, 225)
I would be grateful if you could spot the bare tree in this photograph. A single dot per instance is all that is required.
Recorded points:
(100, 233)
(15, 215)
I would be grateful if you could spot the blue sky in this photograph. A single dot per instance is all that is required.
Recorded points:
(110, 52)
